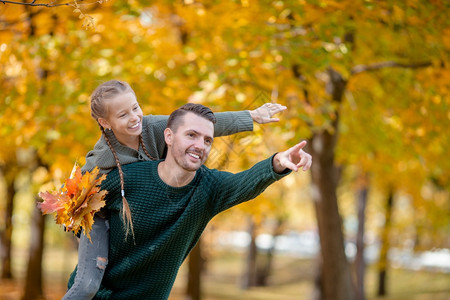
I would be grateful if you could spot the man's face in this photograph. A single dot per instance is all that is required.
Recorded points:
(191, 143)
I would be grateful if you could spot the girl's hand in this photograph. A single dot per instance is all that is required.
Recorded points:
(264, 113)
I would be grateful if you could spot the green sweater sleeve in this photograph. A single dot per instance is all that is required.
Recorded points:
(232, 122)
(232, 189)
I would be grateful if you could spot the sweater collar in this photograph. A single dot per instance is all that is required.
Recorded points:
(172, 189)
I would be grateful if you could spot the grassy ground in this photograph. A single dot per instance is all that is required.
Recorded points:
(292, 279)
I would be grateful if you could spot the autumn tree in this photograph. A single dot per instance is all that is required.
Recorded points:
(365, 82)
(321, 52)
(30, 58)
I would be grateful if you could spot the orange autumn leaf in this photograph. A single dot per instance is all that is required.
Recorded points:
(71, 183)
(51, 203)
(76, 202)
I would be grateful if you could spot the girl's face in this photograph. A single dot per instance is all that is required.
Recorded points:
(124, 117)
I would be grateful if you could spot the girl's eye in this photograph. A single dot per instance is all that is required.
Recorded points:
(136, 108)
(123, 115)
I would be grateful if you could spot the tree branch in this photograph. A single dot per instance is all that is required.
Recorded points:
(387, 64)
(51, 4)
(37, 4)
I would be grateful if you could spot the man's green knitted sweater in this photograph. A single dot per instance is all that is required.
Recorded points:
(168, 222)
(153, 136)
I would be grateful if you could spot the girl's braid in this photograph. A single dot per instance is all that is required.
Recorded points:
(141, 141)
(126, 211)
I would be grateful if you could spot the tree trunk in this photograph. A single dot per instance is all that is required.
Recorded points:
(33, 281)
(6, 241)
(318, 280)
(383, 262)
(336, 276)
(264, 265)
(249, 277)
(359, 261)
(195, 264)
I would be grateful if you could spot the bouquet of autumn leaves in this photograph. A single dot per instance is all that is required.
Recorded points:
(76, 202)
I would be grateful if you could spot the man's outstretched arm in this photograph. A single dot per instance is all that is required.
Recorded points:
(232, 189)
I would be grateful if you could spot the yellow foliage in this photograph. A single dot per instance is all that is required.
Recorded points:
(226, 55)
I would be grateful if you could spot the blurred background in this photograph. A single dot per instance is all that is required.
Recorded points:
(367, 83)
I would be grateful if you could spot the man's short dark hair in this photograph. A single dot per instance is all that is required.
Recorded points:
(176, 117)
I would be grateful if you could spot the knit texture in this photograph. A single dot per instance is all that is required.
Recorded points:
(153, 136)
(168, 222)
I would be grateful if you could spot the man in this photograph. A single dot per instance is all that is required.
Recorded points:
(173, 200)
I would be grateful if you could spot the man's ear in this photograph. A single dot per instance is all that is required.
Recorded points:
(104, 123)
(168, 136)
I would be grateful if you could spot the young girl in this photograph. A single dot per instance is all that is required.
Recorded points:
(128, 136)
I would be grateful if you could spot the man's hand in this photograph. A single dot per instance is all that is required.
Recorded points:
(264, 113)
(294, 158)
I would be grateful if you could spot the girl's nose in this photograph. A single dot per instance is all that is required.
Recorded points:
(134, 116)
